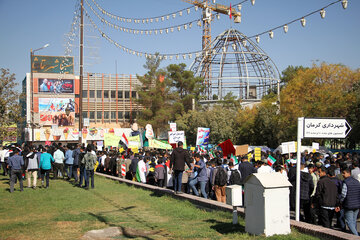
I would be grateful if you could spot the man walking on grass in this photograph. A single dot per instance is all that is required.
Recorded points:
(16, 163)
(59, 163)
(89, 161)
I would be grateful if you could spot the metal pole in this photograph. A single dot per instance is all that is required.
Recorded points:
(235, 216)
(32, 95)
(298, 162)
(81, 70)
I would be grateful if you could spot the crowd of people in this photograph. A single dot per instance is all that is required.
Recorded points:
(329, 183)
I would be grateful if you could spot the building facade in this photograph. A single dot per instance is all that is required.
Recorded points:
(51, 106)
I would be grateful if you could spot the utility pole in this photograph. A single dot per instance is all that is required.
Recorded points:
(81, 70)
(32, 95)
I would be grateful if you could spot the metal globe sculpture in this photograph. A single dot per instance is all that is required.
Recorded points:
(234, 63)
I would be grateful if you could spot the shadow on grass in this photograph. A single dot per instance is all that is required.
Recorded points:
(226, 227)
(157, 194)
(125, 232)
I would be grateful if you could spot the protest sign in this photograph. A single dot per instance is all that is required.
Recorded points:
(242, 150)
(175, 137)
(202, 137)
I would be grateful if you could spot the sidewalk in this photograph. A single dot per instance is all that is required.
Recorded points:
(315, 230)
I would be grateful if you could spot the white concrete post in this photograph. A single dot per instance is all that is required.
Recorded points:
(298, 162)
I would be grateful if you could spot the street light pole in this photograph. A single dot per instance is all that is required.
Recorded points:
(81, 69)
(32, 87)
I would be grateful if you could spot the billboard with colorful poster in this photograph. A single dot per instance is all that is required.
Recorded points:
(47, 85)
(56, 133)
(52, 64)
(52, 111)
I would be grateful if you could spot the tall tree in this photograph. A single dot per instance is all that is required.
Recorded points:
(325, 90)
(185, 84)
(9, 102)
(155, 96)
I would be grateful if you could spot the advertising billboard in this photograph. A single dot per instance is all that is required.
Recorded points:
(52, 111)
(52, 64)
(47, 85)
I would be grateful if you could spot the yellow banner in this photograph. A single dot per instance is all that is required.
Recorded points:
(134, 142)
(257, 152)
(153, 143)
(111, 140)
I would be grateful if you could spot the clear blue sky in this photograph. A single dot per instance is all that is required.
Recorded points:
(27, 24)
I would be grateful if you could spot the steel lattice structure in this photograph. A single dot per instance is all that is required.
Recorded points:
(236, 65)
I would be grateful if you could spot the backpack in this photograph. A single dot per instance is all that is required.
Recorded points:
(235, 177)
(220, 177)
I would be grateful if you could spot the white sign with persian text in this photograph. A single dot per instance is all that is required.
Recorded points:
(326, 128)
(175, 137)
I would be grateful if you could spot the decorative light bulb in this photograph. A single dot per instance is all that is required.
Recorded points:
(286, 28)
(303, 22)
(322, 13)
(253, 2)
(271, 34)
(257, 39)
(344, 3)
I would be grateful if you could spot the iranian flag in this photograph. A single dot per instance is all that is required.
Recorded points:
(202, 149)
(211, 154)
(271, 160)
(234, 159)
(124, 141)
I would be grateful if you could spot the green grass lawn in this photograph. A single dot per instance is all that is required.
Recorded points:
(67, 212)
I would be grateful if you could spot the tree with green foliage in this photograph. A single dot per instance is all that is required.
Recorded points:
(155, 96)
(290, 72)
(325, 90)
(9, 103)
(166, 94)
(185, 84)
(220, 120)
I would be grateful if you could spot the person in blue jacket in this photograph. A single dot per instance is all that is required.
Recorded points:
(201, 176)
(45, 166)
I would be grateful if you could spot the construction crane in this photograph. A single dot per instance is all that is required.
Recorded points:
(207, 9)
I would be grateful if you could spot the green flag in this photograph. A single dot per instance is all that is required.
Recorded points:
(137, 176)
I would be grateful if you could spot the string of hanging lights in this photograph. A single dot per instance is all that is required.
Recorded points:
(147, 20)
(160, 18)
(149, 31)
(302, 20)
(170, 56)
